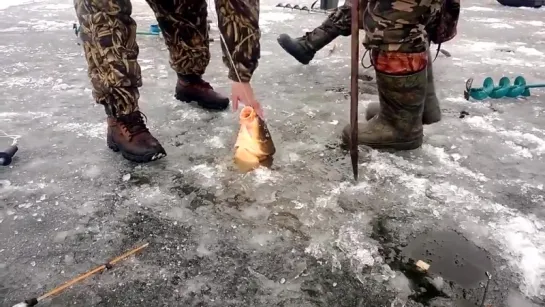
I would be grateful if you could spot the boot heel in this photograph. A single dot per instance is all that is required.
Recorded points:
(182, 97)
(410, 145)
(397, 146)
(112, 145)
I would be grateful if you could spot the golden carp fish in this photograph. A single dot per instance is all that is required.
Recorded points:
(254, 146)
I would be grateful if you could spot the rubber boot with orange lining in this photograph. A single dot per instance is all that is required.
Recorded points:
(402, 82)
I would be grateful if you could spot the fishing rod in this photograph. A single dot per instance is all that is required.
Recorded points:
(107, 266)
(355, 39)
(489, 278)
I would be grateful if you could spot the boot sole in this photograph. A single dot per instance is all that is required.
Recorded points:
(203, 103)
(427, 123)
(301, 60)
(408, 145)
(430, 122)
(135, 158)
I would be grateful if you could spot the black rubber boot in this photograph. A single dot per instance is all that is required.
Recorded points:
(304, 48)
(398, 125)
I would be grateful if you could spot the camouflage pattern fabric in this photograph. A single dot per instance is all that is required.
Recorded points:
(444, 27)
(185, 30)
(339, 21)
(395, 25)
(341, 18)
(109, 41)
(238, 21)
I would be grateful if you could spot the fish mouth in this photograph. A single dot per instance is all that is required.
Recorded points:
(247, 113)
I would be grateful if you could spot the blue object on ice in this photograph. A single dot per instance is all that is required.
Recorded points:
(154, 29)
(504, 89)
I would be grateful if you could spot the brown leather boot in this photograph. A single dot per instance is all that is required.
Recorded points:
(129, 134)
(194, 88)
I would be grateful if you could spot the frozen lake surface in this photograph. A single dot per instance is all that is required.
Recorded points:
(300, 234)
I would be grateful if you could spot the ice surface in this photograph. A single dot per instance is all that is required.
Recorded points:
(516, 300)
(4, 4)
(71, 203)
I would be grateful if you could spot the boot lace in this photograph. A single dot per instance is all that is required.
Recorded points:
(133, 124)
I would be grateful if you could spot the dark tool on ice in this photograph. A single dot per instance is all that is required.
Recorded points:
(312, 8)
(445, 52)
(519, 88)
(75, 28)
(106, 266)
(7, 155)
(524, 3)
(329, 4)
(354, 87)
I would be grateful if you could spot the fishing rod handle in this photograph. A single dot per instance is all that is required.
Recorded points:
(28, 303)
(6, 155)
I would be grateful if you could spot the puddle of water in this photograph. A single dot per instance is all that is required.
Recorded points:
(451, 256)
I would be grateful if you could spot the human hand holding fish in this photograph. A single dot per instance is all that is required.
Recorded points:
(243, 92)
(254, 146)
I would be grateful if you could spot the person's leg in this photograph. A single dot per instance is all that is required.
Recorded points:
(108, 35)
(432, 110)
(185, 30)
(396, 35)
(305, 47)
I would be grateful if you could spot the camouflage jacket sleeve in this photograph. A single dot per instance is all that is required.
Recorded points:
(238, 22)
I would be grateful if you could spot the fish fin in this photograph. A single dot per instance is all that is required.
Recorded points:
(265, 139)
(246, 161)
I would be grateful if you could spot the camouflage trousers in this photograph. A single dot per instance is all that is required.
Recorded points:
(109, 41)
(390, 25)
(341, 18)
(399, 26)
